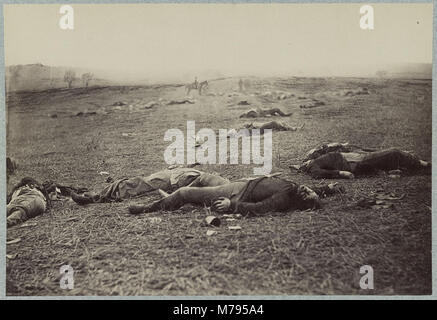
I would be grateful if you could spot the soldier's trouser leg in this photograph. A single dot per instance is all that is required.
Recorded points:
(195, 195)
(390, 159)
(23, 208)
(208, 180)
(17, 216)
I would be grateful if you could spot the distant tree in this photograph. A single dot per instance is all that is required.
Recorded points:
(381, 73)
(69, 77)
(86, 78)
(52, 83)
(14, 73)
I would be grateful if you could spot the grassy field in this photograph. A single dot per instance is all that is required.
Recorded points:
(312, 252)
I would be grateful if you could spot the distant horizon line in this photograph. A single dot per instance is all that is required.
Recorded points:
(128, 76)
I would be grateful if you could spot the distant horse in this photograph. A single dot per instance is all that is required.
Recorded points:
(194, 85)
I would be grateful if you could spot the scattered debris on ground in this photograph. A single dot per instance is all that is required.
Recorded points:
(234, 227)
(119, 104)
(314, 104)
(128, 134)
(352, 93)
(213, 221)
(151, 104)
(211, 232)
(13, 241)
(85, 113)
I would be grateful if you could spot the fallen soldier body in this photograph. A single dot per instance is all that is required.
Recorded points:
(181, 101)
(28, 199)
(167, 180)
(344, 161)
(273, 125)
(335, 147)
(264, 113)
(256, 196)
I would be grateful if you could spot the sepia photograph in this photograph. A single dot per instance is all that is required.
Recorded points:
(218, 149)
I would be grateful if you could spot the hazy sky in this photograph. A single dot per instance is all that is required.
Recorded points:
(167, 39)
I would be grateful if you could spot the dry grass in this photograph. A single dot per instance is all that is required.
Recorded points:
(316, 252)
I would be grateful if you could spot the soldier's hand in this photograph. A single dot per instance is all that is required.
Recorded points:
(222, 204)
(336, 188)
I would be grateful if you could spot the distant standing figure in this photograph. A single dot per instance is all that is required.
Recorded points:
(202, 85)
(240, 85)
